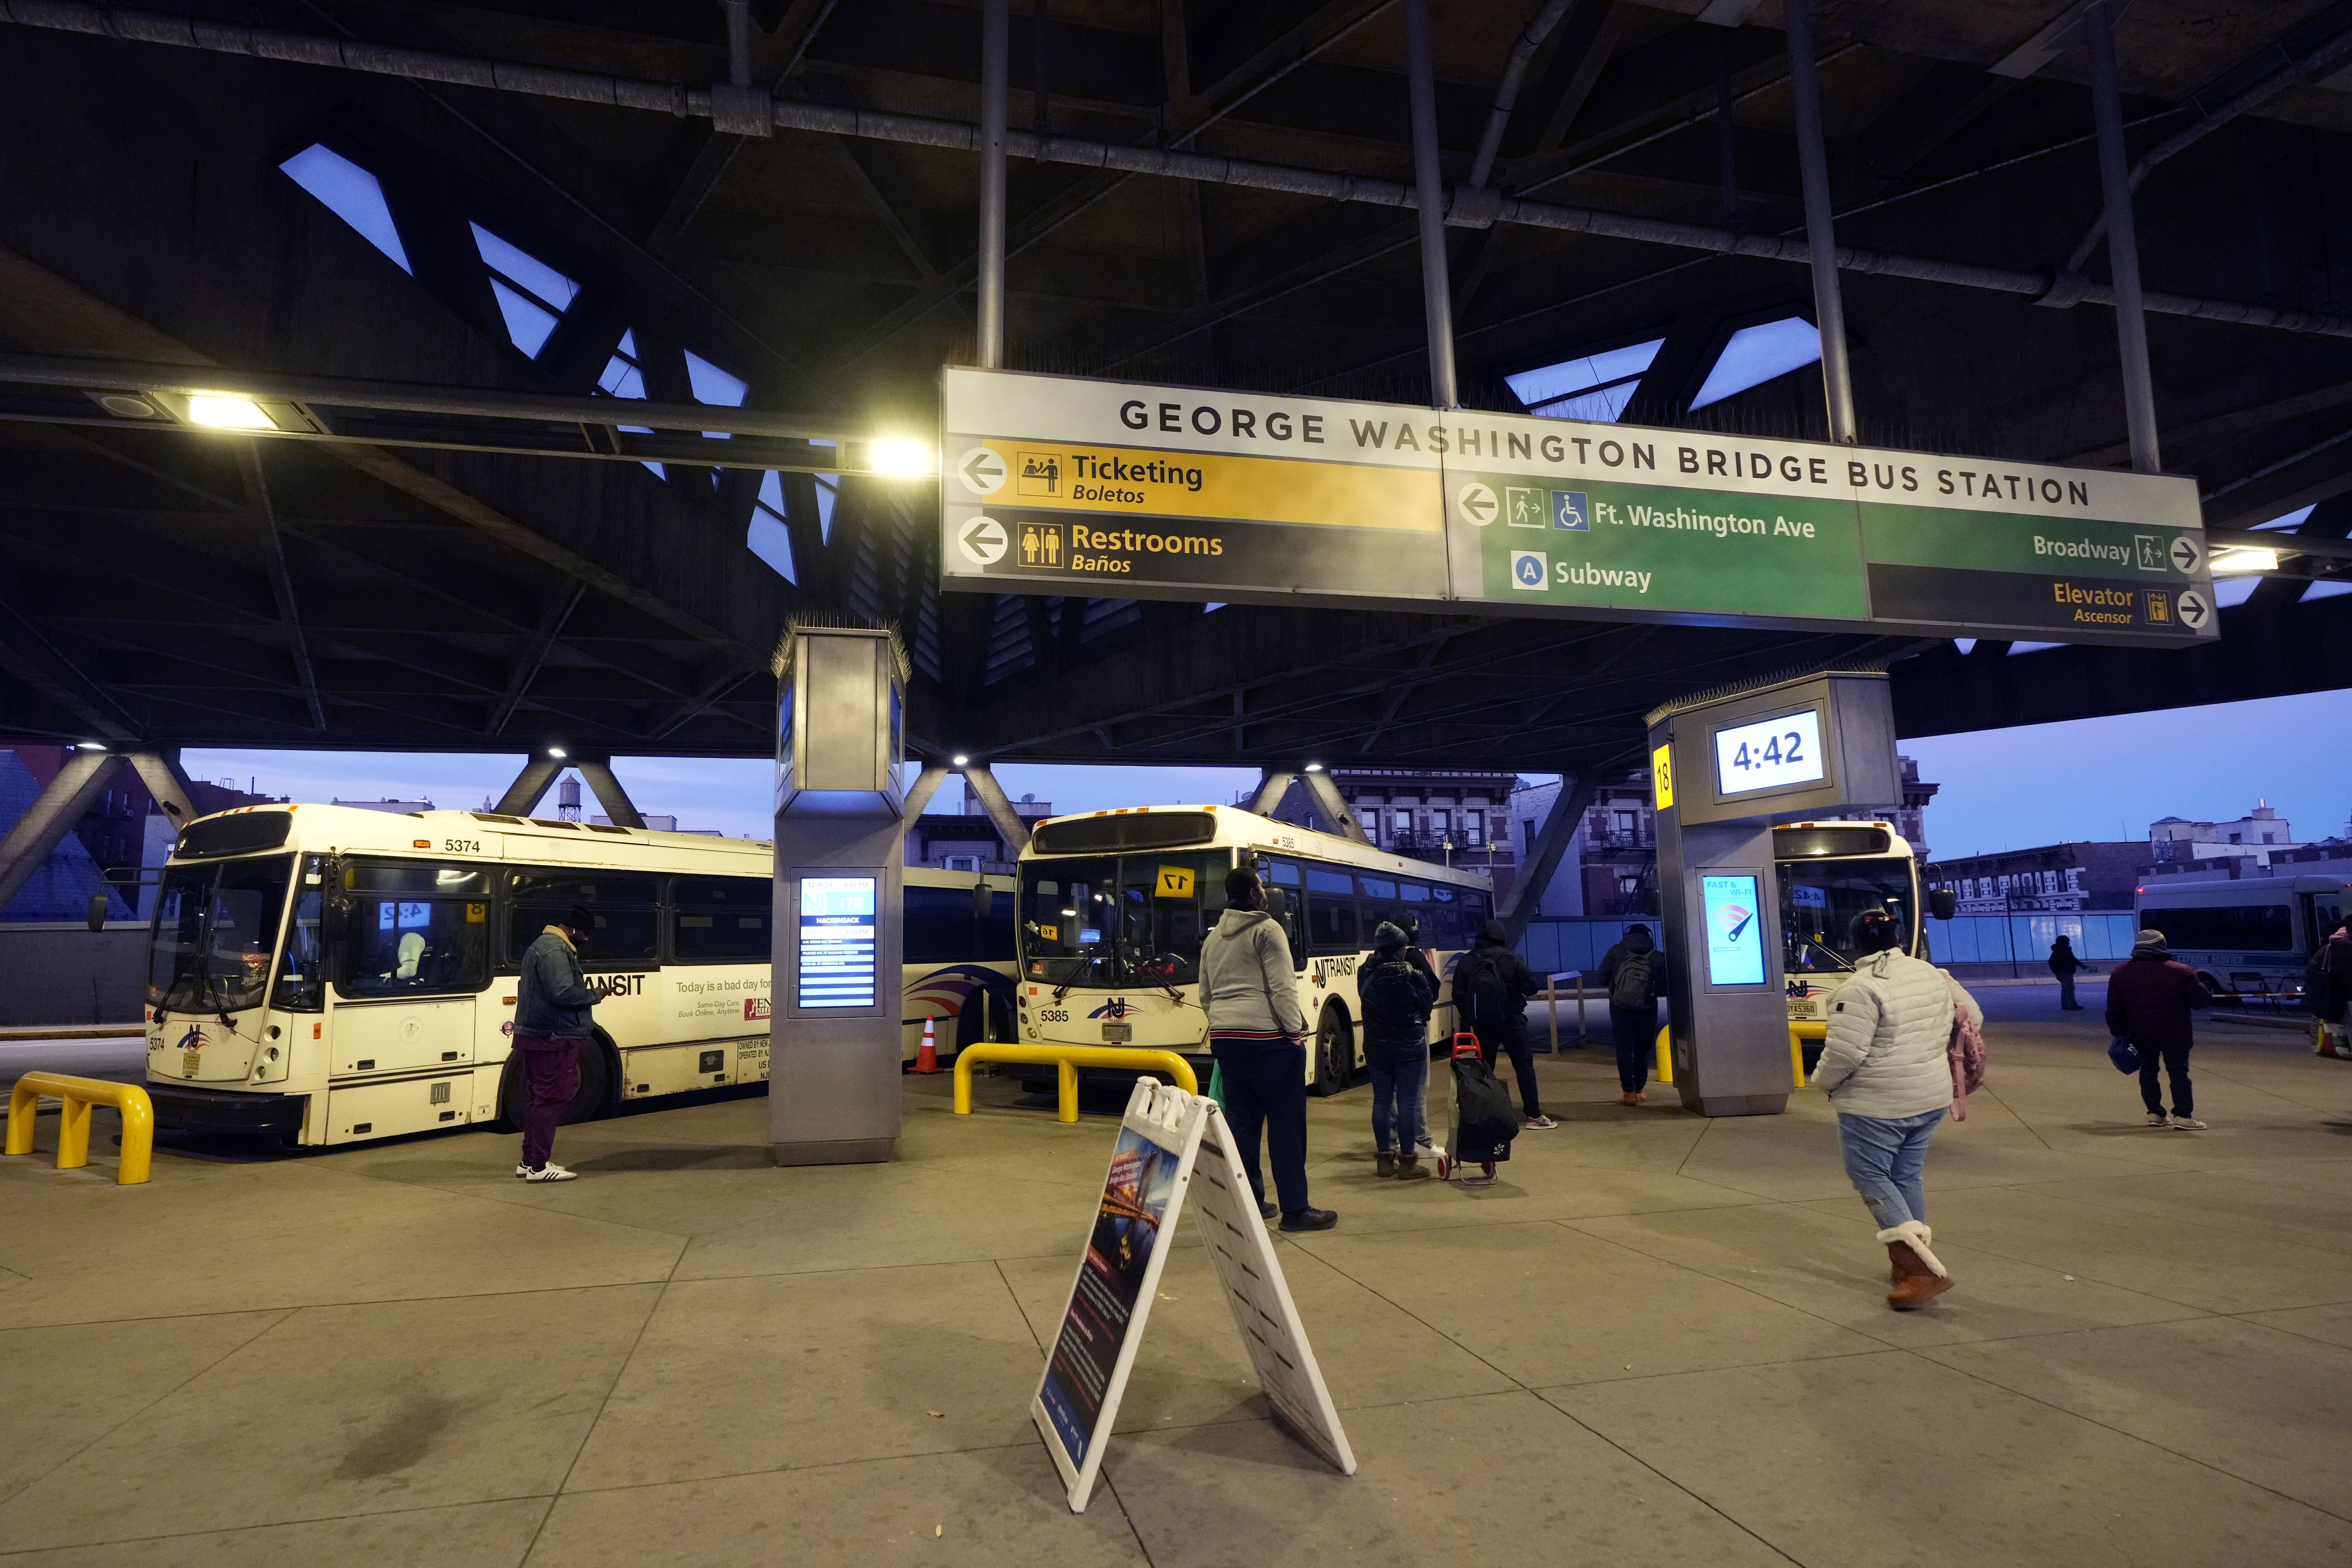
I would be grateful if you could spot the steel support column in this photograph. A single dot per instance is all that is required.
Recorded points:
(50, 817)
(598, 773)
(2123, 239)
(1820, 235)
(1272, 785)
(165, 781)
(927, 785)
(1325, 794)
(994, 66)
(1429, 188)
(529, 787)
(1541, 857)
(1009, 826)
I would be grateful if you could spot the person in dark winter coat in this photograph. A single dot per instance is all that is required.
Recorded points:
(2328, 993)
(2149, 1003)
(1397, 989)
(1491, 988)
(1635, 1027)
(551, 1027)
(1258, 1033)
(2063, 963)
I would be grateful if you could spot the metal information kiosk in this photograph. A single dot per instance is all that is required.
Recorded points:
(833, 1078)
(1726, 766)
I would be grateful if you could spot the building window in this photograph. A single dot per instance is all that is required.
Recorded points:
(1626, 822)
(1629, 883)
(1474, 827)
(1440, 823)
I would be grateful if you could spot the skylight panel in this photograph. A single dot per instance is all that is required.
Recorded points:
(1596, 387)
(1757, 355)
(770, 538)
(551, 289)
(2231, 591)
(2289, 522)
(623, 377)
(713, 386)
(2324, 589)
(352, 195)
(528, 323)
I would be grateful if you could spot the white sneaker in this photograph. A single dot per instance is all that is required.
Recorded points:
(551, 1172)
(2159, 1119)
(522, 1169)
(2189, 1125)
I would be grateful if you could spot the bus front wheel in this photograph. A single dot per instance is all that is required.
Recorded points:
(1334, 1051)
(590, 1100)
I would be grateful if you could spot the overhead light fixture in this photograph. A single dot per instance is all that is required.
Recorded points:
(558, 752)
(89, 746)
(900, 458)
(227, 411)
(127, 405)
(963, 760)
(2242, 558)
(1315, 767)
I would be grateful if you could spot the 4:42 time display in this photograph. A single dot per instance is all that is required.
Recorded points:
(1769, 754)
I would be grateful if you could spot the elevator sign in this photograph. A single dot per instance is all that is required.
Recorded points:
(1057, 485)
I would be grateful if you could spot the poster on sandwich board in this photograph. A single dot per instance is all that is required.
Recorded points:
(1168, 1141)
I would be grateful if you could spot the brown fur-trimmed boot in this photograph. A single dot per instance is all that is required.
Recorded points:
(1920, 1275)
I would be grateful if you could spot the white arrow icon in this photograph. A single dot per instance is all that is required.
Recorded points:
(2193, 610)
(2185, 554)
(1477, 504)
(981, 471)
(984, 539)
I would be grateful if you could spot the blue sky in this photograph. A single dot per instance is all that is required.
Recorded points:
(2088, 778)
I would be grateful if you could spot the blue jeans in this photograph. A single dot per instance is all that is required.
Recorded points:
(1883, 1155)
(1399, 1086)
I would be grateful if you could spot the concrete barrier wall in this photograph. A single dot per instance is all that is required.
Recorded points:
(69, 973)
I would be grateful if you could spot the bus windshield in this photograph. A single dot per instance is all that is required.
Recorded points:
(216, 930)
(1820, 898)
(1117, 920)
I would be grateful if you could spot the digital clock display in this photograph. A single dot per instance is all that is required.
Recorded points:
(1769, 753)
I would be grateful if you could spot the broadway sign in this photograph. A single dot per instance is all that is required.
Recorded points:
(1055, 484)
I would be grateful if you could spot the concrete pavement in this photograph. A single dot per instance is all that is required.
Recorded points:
(1658, 1339)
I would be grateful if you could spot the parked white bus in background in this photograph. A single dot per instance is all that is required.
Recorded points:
(324, 975)
(2248, 940)
(1830, 872)
(1113, 905)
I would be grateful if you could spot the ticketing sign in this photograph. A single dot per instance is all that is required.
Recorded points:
(1059, 485)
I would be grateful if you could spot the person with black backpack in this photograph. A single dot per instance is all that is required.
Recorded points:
(1397, 989)
(1491, 988)
(2328, 993)
(1631, 971)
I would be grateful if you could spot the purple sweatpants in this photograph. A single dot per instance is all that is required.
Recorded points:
(552, 1069)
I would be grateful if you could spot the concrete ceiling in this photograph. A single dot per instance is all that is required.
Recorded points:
(183, 590)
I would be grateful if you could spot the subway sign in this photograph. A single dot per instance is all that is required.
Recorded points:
(1060, 485)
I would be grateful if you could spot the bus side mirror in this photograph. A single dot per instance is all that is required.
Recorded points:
(983, 902)
(100, 902)
(1943, 903)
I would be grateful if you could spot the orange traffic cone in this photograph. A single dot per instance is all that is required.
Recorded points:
(926, 1059)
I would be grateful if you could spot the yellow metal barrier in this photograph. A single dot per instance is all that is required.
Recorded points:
(1066, 1060)
(79, 1094)
(1798, 1034)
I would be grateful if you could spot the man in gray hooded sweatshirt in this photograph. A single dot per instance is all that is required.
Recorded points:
(1258, 1032)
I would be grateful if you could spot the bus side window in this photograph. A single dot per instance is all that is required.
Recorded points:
(938, 925)
(719, 920)
(627, 917)
(1331, 911)
(996, 944)
(1283, 875)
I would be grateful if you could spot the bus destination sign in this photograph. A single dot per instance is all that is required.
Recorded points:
(1060, 485)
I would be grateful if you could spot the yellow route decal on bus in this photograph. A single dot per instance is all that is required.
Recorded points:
(1051, 933)
(1145, 483)
(1175, 882)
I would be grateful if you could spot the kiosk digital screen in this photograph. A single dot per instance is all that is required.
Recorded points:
(1769, 753)
(1735, 930)
(836, 941)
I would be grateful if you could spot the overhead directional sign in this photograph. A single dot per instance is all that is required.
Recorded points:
(1138, 491)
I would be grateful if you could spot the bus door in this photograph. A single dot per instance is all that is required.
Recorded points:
(416, 954)
(2322, 914)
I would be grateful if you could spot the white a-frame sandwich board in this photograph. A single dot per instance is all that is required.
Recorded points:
(1172, 1146)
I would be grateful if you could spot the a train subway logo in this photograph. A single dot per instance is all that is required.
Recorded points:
(605, 988)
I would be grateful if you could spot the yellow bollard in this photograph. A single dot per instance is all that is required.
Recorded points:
(76, 1096)
(1799, 1033)
(1066, 1076)
(1666, 1056)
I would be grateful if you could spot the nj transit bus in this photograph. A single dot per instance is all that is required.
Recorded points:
(1113, 906)
(324, 975)
(2248, 940)
(1828, 873)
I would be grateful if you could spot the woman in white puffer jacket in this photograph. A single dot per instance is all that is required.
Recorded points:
(1886, 1068)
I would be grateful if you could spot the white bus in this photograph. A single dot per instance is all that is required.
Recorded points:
(1113, 905)
(324, 975)
(1828, 873)
(2248, 940)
